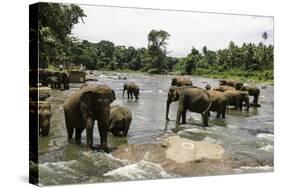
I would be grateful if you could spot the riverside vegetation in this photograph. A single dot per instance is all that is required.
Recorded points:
(58, 46)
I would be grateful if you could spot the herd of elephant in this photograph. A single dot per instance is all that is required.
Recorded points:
(92, 103)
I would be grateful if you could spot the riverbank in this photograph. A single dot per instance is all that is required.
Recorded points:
(254, 77)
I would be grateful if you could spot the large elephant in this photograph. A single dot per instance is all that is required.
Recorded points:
(219, 103)
(181, 81)
(253, 91)
(85, 106)
(120, 120)
(131, 88)
(190, 98)
(232, 83)
(236, 99)
(223, 88)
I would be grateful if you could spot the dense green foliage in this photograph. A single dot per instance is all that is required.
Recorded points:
(57, 46)
(55, 22)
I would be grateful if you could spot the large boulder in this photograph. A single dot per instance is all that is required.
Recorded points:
(183, 150)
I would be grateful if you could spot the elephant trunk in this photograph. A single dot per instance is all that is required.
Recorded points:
(167, 109)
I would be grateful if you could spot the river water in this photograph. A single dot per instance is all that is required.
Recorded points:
(244, 135)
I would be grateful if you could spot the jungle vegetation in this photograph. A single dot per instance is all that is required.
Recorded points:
(59, 46)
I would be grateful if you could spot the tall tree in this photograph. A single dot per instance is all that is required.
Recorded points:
(157, 44)
(55, 23)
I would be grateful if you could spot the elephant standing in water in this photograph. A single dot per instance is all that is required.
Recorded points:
(232, 83)
(253, 91)
(219, 102)
(224, 88)
(190, 98)
(131, 88)
(181, 81)
(85, 106)
(236, 99)
(120, 120)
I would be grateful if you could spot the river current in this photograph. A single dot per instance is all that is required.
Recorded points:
(245, 135)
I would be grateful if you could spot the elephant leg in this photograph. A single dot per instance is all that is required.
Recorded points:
(183, 117)
(70, 131)
(103, 129)
(131, 93)
(126, 127)
(255, 101)
(89, 132)
(128, 93)
(78, 132)
(223, 112)
(218, 114)
(180, 111)
(205, 119)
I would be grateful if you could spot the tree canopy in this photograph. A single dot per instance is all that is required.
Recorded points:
(58, 46)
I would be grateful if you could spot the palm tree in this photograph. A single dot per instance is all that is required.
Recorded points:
(265, 36)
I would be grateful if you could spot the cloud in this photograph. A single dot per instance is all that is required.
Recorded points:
(130, 27)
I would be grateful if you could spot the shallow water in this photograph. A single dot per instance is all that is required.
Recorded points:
(245, 135)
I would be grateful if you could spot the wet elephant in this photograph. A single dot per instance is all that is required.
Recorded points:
(85, 106)
(120, 120)
(237, 98)
(232, 83)
(42, 110)
(54, 81)
(219, 103)
(45, 119)
(131, 88)
(63, 80)
(190, 98)
(181, 81)
(223, 88)
(254, 91)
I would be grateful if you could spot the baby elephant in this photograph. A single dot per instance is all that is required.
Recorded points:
(131, 88)
(120, 120)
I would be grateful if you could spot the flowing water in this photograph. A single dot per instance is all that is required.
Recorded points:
(245, 135)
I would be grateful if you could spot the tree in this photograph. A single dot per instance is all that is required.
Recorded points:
(157, 43)
(55, 22)
(265, 36)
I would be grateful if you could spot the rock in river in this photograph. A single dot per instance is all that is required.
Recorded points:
(177, 155)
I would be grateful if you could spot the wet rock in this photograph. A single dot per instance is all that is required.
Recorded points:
(178, 156)
(183, 150)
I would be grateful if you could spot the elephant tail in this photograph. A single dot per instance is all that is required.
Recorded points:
(210, 104)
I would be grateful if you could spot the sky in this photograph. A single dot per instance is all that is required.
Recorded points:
(130, 27)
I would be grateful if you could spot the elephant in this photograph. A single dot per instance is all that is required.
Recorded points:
(253, 91)
(44, 118)
(219, 103)
(181, 81)
(120, 120)
(232, 83)
(35, 95)
(190, 98)
(63, 80)
(236, 98)
(41, 110)
(85, 106)
(131, 88)
(54, 81)
(224, 88)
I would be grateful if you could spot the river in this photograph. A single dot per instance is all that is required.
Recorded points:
(244, 135)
